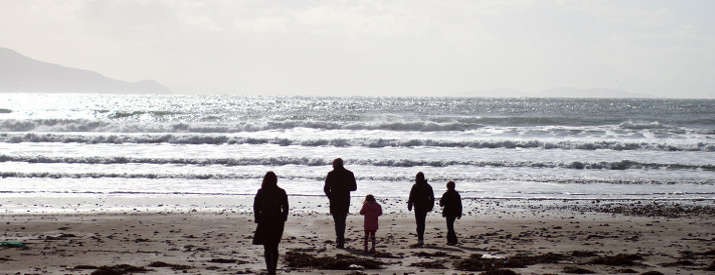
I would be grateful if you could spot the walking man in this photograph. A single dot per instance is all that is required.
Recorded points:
(338, 185)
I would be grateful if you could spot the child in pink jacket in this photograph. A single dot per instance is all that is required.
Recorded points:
(371, 210)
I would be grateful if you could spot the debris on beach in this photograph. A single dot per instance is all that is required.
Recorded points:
(339, 262)
(119, 269)
(653, 209)
(583, 253)
(227, 261)
(386, 255)
(12, 244)
(678, 263)
(60, 237)
(576, 270)
(478, 263)
(84, 266)
(430, 265)
(172, 266)
(423, 254)
(618, 260)
(499, 272)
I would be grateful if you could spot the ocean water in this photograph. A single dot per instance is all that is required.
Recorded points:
(80, 152)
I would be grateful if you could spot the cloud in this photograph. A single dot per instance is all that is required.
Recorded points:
(375, 47)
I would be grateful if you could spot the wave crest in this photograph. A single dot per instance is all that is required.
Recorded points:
(367, 179)
(343, 142)
(280, 161)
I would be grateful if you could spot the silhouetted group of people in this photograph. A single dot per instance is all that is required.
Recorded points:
(270, 208)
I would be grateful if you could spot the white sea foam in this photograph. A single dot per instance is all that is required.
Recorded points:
(545, 143)
(141, 146)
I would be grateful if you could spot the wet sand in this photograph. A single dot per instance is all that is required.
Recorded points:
(528, 240)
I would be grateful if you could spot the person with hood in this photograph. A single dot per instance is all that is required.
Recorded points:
(338, 185)
(422, 199)
(452, 203)
(270, 210)
(371, 209)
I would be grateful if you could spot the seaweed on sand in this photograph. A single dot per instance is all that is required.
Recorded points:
(618, 260)
(430, 265)
(339, 262)
(499, 272)
(172, 266)
(576, 270)
(423, 254)
(119, 269)
(476, 263)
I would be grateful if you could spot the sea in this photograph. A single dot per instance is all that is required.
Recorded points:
(88, 153)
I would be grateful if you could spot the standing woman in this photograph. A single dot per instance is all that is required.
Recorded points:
(270, 210)
(422, 198)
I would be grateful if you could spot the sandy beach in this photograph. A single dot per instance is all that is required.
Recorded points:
(536, 238)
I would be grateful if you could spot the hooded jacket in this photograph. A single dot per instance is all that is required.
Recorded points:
(371, 210)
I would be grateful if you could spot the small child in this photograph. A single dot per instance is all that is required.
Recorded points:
(452, 203)
(371, 210)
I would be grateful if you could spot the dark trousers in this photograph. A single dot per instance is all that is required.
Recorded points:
(339, 220)
(369, 236)
(451, 235)
(271, 256)
(420, 217)
(270, 234)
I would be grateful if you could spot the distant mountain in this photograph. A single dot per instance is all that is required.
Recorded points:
(19, 73)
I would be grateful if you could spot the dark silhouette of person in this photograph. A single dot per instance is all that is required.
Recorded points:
(422, 198)
(338, 185)
(371, 209)
(452, 203)
(270, 210)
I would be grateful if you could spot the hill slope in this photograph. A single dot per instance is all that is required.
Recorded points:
(19, 73)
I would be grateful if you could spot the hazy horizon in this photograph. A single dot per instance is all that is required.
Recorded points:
(652, 49)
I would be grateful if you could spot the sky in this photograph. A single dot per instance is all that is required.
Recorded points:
(398, 48)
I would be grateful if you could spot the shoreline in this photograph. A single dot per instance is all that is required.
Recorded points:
(212, 243)
(127, 205)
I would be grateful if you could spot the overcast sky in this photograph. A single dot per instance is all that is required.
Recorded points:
(484, 48)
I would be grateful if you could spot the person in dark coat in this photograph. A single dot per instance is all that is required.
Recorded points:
(422, 199)
(338, 185)
(270, 210)
(371, 210)
(452, 203)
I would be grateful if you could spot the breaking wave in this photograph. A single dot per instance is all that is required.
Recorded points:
(641, 125)
(84, 125)
(361, 142)
(280, 161)
(119, 124)
(401, 179)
